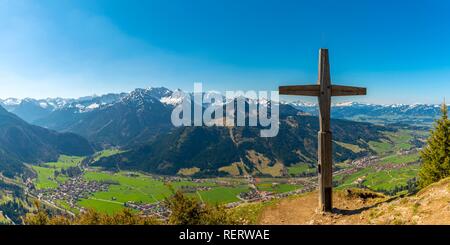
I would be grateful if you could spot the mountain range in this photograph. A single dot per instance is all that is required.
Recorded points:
(57, 113)
(414, 114)
(139, 123)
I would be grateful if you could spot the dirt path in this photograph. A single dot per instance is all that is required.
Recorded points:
(291, 211)
(303, 210)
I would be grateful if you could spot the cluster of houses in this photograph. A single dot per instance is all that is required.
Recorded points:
(365, 161)
(358, 164)
(254, 195)
(408, 152)
(390, 166)
(170, 178)
(157, 209)
(72, 190)
(305, 189)
(193, 189)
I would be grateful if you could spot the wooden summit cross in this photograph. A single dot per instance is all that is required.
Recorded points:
(324, 90)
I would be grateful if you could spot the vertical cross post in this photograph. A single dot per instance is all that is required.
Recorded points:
(325, 159)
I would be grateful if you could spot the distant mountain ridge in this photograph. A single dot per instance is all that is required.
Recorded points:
(414, 114)
(34, 109)
(128, 118)
(42, 112)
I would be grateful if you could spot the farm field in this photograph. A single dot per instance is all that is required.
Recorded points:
(64, 162)
(380, 178)
(125, 188)
(395, 159)
(46, 177)
(300, 169)
(396, 141)
(220, 194)
(389, 179)
(104, 206)
(106, 153)
(136, 187)
(277, 188)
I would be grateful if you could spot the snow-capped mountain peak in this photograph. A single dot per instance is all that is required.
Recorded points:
(175, 98)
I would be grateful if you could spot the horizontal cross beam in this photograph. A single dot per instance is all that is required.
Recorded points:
(339, 90)
(314, 90)
(305, 90)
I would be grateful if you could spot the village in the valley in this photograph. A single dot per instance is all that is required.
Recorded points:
(76, 188)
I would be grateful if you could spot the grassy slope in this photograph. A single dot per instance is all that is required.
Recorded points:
(300, 169)
(106, 153)
(395, 141)
(46, 172)
(429, 206)
(386, 179)
(46, 178)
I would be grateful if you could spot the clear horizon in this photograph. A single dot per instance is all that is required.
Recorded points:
(73, 49)
(283, 98)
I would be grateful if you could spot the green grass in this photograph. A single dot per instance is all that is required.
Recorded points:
(46, 172)
(379, 180)
(279, 188)
(141, 188)
(63, 204)
(146, 189)
(396, 159)
(395, 141)
(380, 147)
(220, 195)
(106, 153)
(348, 180)
(104, 206)
(354, 148)
(401, 139)
(389, 179)
(45, 178)
(251, 212)
(178, 184)
(297, 169)
(64, 162)
(188, 171)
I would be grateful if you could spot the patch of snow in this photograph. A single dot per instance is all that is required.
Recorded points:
(344, 104)
(175, 98)
(93, 106)
(12, 101)
(43, 104)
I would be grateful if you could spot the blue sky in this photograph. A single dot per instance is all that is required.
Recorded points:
(400, 50)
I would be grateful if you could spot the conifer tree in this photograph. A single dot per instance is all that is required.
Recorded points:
(436, 155)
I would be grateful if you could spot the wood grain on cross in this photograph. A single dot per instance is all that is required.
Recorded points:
(324, 90)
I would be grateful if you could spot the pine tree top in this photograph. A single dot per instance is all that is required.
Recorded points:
(444, 110)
